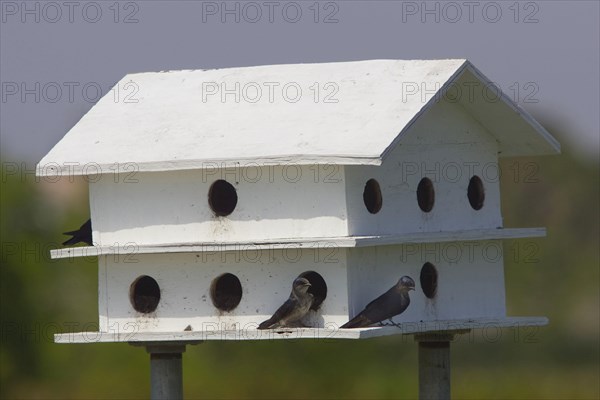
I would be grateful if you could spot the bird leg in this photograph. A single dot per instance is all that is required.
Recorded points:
(391, 323)
(396, 324)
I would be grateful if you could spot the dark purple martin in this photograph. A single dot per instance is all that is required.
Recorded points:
(81, 235)
(386, 306)
(294, 309)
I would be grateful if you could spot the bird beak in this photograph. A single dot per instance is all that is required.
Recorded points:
(411, 288)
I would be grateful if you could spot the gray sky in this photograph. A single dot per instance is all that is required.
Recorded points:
(54, 56)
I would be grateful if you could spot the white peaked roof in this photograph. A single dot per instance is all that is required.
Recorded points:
(332, 113)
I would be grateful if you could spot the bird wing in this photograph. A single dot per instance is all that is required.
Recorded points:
(359, 321)
(386, 306)
(282, 312)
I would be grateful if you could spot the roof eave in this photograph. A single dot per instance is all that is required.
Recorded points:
(537, 127)
(553, 146)
(51, 169)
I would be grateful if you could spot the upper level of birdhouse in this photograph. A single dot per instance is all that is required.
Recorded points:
(371, 149)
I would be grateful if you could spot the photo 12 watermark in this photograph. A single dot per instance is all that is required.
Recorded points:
(270, 12)
(469, 92)
(53, 172)
(323, 252)
(470, 252)
(270, 92)
(38, 332)
(43, 251)
(286, 172)
(70, 12)
(454, 12)
(460, 170)
(68, 92)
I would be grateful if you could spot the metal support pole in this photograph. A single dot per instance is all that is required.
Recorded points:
(434, 366)
(166, 372)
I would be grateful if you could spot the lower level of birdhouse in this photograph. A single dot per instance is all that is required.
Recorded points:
(235, 290)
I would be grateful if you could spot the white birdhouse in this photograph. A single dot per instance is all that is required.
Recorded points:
(211, 191)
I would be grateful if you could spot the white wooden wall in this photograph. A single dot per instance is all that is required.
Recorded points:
(470, 285)
(172, 207)
(185, 280)
(444, 146)
(470, 278)
(447, 146)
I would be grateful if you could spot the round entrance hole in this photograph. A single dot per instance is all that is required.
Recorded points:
(318, 288)
(476, 192)
(144, 294)
(429, 280)
(226, 292)
(425, 195)
(222, 198)
(372, 196)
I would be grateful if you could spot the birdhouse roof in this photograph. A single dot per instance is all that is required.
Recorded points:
(332, 113)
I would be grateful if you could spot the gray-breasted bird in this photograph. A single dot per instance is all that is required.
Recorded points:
(386, 306)
(294, 309)
(81, 235)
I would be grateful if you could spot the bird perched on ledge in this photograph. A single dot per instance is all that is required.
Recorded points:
(386, 306)
(81, 235)
(294, 308)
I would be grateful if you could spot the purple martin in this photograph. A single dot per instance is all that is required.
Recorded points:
(294, 309)
(386, 306)
(81, 235)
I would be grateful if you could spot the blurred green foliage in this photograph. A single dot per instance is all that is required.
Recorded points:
(557, 277)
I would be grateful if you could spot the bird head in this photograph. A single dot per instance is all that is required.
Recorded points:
(407, 283)
(301, 285)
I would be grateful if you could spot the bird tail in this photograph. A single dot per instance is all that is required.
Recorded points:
(266, 324)
(359, 321)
